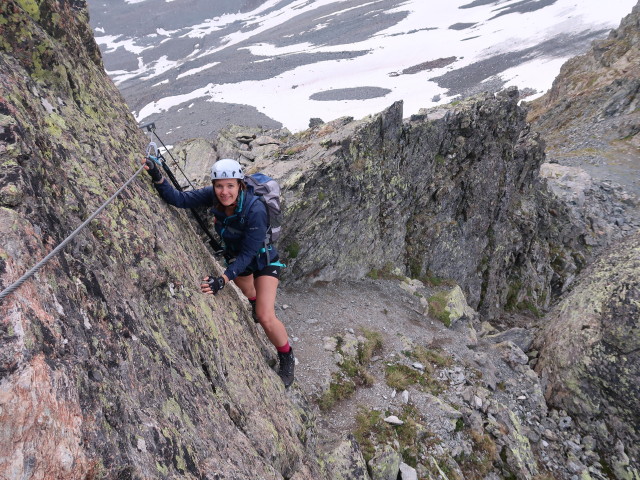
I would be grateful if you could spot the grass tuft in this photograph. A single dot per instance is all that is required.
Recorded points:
(340, 388)
(437, 308)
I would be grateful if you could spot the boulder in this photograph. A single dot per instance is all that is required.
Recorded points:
(195, 158)
(521, 337)
(385, 464)
(457, 306)
(589, 359)
(407, 472)
(346, 462)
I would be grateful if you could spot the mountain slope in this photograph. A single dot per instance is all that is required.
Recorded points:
(112, 363)
(591, 116)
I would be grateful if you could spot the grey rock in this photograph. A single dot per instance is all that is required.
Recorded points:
(418, 366)
(511, 353)
(590, 349)
(263, 140)
(346, 462)
(385, 464)
(393, 420)
(521, 337)
(417, 231)
(245, 137)
(407, 472)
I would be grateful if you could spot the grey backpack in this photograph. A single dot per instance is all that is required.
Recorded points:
(267, 190)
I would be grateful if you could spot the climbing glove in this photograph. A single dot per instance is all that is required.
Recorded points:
(216, 284)
(154, 171)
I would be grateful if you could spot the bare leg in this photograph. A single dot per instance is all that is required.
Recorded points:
(246, 285)
(265, 288)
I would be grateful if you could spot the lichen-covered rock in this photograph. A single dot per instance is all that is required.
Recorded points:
(456, 306)
(195, 158)
(385, 464)
(590, 351)
(346, 462)
(112, 363)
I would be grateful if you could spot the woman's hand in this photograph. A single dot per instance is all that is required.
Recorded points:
(152, 169)
(212, 285)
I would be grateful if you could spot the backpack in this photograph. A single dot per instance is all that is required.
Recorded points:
(268, 190)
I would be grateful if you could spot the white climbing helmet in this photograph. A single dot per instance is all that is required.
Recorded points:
(226, 168)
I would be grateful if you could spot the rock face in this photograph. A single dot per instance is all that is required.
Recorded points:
(589, 361)
(112, 364)
(452, 193)
(590, 354)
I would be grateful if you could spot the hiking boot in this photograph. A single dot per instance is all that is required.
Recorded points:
(287, 365)
(253, 311)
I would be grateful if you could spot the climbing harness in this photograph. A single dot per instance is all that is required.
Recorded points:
(15, 285)
(160, 160)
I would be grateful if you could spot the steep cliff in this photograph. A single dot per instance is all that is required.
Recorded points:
(112, 364)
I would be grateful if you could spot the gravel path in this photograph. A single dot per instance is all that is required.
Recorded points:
(313, 313)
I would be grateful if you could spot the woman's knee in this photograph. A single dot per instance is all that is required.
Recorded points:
(267, 317)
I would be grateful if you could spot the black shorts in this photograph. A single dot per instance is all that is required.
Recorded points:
(268, 271)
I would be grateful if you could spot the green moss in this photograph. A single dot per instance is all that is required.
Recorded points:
(459, 425)
(372, 345)
(412, 438)
(385, 273)
(55, 125)
(371, 430)
(440, 159)
(293, 250)
(433, 280)
(340, 388)
(437, 308)
(162, 469)
(402, 377)
(479, 462)
(427, 357)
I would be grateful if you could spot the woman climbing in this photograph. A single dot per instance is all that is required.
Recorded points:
(242, 223)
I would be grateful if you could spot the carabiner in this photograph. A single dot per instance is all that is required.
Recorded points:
(157, 157)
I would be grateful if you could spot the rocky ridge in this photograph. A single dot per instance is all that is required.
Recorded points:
(442, 194)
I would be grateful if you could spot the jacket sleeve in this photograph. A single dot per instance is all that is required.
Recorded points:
(252, 240)
(202, 197)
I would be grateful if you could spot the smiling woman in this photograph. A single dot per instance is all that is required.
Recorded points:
(242, 221)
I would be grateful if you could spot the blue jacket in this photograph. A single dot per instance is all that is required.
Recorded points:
(243, 233)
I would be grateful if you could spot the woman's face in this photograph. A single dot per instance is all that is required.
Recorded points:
(227, 190)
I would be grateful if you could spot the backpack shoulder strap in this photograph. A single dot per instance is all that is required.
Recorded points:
(247, 208)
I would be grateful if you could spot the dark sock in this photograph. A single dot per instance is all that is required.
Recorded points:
(286, 348)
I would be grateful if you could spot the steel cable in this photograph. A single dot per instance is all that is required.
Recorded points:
(15, 285)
